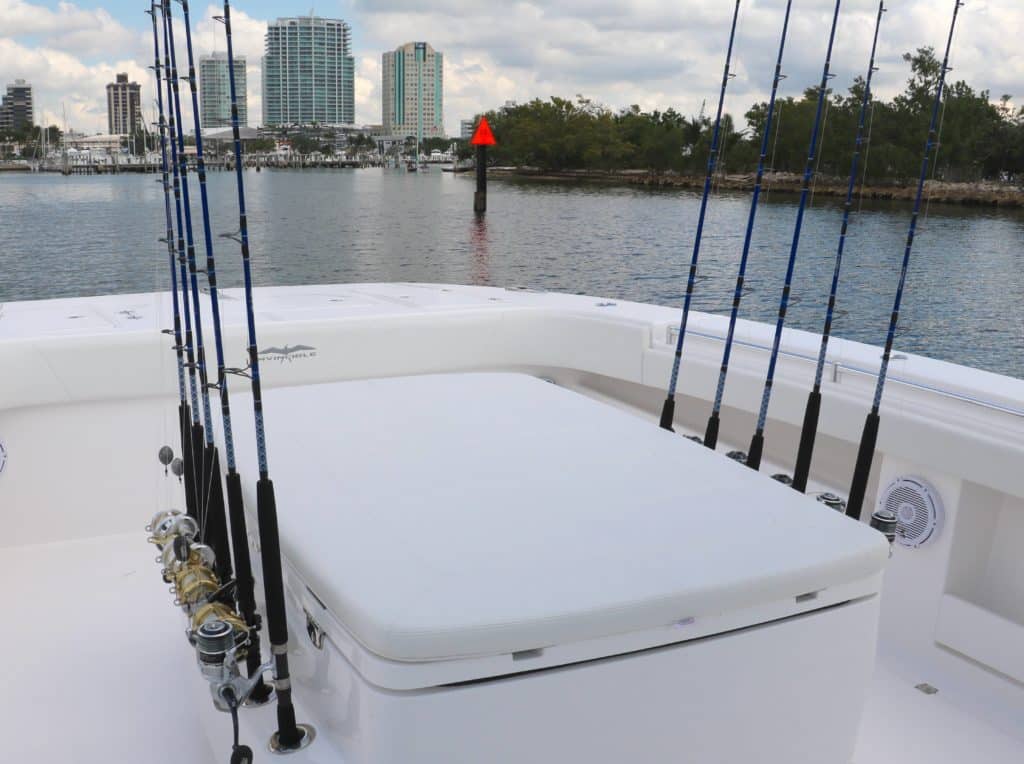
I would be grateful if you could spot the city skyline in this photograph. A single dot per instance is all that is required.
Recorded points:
(664, 54)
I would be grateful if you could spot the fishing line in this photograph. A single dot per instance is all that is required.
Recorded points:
(289, 735)
(205, 431)
(668, 409)
(867, 151)
(805, 451)
(756, 449)
(869, 437)
(191, 430)
(184, 415)
(711, 432)
(821, 150)
(216, 512)
(772, 169)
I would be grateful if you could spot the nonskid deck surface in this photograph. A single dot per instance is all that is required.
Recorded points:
(97, 657)
(103, 674)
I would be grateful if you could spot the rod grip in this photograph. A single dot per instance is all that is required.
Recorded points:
(270, 554)
(861, 473)
(668, 414)
(755, 451)
(244, 581)
(804, 454)
(711, 432)
(216, 517)
(196, 463)
(289, 734)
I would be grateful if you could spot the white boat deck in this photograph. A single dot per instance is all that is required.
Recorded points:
(96, 650)
(100, 655)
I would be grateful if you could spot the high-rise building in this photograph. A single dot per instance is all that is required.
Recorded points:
(215, 91)
(466, 128)
(123, 114)
(16, 107)
(412, 91)
(308, 72)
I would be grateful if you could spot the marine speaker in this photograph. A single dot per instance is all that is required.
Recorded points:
(918, 509)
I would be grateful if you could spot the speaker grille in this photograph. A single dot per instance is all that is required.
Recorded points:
(917, 507)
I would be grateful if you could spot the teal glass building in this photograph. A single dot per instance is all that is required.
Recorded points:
(308, 72)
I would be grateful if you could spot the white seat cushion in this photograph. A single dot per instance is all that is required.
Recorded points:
(462, 515)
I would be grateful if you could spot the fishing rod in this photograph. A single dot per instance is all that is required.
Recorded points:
(869, 437)
(669, 409)
(184, 415)
(244, 582)
(192, 444)
(217, 526)
(210, 491)
(756, 449)
(805, 452)
(289, 735)
(711, 432)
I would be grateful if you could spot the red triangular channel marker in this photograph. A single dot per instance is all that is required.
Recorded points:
(483, 135)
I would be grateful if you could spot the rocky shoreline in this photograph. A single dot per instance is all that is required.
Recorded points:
(983, 194)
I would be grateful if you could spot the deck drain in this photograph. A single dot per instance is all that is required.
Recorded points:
(926, 688)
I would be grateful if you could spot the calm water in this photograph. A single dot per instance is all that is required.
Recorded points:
(965, 300)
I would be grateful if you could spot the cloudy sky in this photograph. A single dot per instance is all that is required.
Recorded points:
(655, 53)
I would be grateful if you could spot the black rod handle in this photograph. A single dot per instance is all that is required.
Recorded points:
(711, 432)
(198, 492)
(804, 454)
(756, 450)
(185, 429)
(289, 734)
(244, 584)
(216, 519)
(668, 414)
(861, 473)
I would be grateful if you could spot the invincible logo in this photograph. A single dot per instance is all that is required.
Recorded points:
(287, 353)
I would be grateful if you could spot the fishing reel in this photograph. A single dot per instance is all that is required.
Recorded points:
(220, 638)
(170, 524)
(884, 521)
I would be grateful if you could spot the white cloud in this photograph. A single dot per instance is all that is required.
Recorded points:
(656, 53)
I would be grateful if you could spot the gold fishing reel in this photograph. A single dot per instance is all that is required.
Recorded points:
(194, 554)
(193, 584)
(209, 611)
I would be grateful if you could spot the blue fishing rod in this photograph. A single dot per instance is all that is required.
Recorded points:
(210, 492)
(711, 432)
(216, 525)
(193, 442)
(244, 583)
(668, 411)
(756, 449)
(805, 452)
(184, 414)
(290, 735)
(869, 437)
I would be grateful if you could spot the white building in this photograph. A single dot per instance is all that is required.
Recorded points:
(412, 79)
(215, 91)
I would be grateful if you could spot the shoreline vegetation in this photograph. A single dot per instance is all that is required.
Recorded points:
(978, 158)
(977, 194)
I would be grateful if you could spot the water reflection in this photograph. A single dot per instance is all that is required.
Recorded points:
(481, 253)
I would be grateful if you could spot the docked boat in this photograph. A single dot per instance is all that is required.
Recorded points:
(492, 552)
